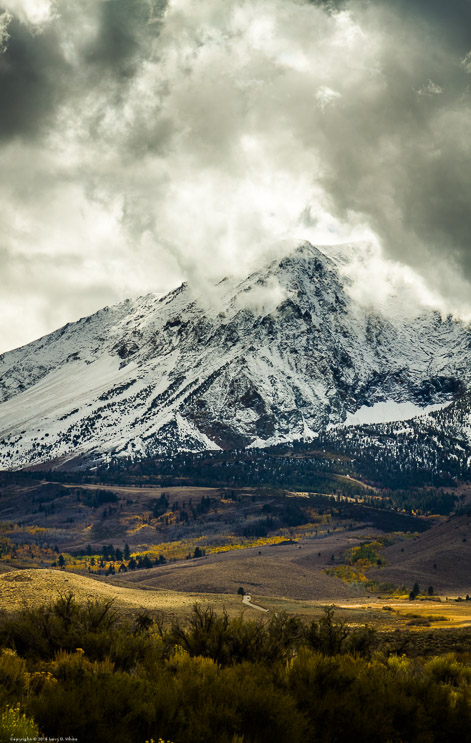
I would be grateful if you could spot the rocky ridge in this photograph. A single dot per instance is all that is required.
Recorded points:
(285, 354)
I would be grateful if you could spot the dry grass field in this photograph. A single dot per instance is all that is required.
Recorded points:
(21, 588)
(34, 587)
(440, 557)
(293, 571)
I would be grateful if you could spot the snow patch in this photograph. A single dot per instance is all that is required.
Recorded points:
(187, 429)
(388, 412)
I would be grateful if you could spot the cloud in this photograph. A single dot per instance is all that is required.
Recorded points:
(33, 12)
(326, 96)
(5, 19)
(443, 24)
(143, 143)
(430, 88)
(466, 62)
(263, 297)
(378, 283)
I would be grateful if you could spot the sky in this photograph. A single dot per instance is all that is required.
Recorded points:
(145, 142)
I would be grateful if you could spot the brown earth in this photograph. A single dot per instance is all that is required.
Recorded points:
(439, 557)
(293, 571)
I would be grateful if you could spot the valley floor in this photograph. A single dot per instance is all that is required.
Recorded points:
(28, 588)
(288, 550)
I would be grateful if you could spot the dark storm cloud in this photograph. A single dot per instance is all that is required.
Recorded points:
(405, 161)
(37, 76)
(122, 37)
(446, 21)
(32, 80)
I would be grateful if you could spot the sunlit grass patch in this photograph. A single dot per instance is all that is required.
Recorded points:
(368, 554)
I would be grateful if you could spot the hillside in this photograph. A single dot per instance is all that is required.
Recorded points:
(439, 558)
(30, 587)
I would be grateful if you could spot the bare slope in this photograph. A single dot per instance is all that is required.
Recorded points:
(295, 571)
(440, 557)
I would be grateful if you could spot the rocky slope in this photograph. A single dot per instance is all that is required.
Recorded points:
(437, 443)
(282, 355)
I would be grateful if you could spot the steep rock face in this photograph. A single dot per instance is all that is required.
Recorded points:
(284, 354)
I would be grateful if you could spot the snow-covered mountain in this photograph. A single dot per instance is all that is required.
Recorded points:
(282, 355)
(437, 442)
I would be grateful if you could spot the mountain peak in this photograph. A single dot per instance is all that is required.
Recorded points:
(283, 352)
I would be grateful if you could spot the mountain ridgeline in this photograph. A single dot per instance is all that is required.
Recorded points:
(285, 355)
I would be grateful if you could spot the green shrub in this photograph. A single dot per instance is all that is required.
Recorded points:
(447, 669)
(90, 700)
(219, 680)
(14, 677)
(15, 724)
